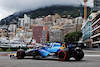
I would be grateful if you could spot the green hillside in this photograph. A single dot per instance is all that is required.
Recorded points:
(61, 10)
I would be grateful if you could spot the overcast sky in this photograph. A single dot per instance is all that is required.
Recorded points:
(8, 7)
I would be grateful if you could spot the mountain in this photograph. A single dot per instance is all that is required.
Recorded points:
(61, 10)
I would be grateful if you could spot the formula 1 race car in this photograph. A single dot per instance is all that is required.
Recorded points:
(53, 49)
(39, 52)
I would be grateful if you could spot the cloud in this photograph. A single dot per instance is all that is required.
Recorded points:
(4, 13)
(20, 5)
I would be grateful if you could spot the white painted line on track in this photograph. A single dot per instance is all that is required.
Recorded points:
(91, 51)
(92, 55)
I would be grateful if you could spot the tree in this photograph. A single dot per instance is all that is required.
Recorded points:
(72, 37)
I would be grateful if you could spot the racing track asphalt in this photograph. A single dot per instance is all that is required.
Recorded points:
(91, 59)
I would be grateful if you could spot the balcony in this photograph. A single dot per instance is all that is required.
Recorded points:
(95, 28)
(96, 42)
(95, 22)
(96, 32)
(95, 35)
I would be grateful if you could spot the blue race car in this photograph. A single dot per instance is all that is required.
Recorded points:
(39, 52)
(53, 49)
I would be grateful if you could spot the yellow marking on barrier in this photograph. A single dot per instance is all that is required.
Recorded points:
(1, 49)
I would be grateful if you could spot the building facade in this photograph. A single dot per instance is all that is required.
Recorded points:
(56, 35)
(96, 30)
(96, 5)
(25, 22)
(40, 34)
(86, 30)
(12, 27)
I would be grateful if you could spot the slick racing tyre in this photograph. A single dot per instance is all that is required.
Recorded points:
(63, 55)
(78, 55)
(20, 54)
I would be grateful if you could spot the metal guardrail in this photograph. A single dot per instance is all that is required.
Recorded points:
(11, 49)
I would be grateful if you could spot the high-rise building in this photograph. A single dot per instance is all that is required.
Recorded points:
(96, 5)
(12, 27)
(21, 22)
(26, 22)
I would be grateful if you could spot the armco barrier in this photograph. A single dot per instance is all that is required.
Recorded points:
(11, 49)
(1, 49)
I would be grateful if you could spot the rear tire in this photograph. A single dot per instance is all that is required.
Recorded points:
(20, 54)
(78, 55)
(63, 55)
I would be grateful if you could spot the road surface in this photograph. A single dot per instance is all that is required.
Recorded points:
(91, 59)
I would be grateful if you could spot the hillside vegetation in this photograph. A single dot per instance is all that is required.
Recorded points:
(61, 10)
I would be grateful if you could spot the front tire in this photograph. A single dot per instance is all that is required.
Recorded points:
(63, 55)
(20, 54)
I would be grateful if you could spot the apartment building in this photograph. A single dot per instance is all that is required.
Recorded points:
(21, 22)
(26, 22)
(56, 35)
(96, 30)
(96, 4)
(40, 34)
(12, 27)
(86, 30)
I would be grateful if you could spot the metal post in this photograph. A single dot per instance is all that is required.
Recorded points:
(80, 8)
(77, 25)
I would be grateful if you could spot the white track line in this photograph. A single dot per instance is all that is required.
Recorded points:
(91, 51)
(92, 55)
